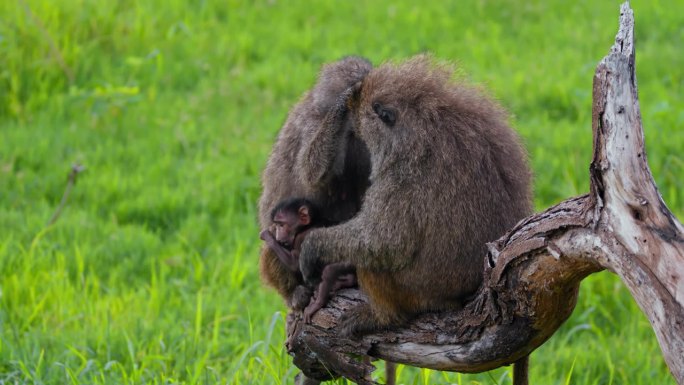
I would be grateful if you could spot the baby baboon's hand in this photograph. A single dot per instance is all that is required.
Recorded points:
(265, 235)
(301, 296)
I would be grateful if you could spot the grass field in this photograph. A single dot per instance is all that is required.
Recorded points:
(150, 274)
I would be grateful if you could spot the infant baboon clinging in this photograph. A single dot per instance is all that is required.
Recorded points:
(448, 175)
(292, 219)
(317, 156)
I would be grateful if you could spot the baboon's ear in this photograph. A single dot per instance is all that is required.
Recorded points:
(304, 217)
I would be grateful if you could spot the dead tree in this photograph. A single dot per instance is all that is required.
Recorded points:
(532, 274)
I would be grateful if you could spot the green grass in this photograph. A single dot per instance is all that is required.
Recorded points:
(150, 274)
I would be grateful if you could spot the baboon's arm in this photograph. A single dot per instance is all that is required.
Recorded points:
(322, 152)
(364, 243)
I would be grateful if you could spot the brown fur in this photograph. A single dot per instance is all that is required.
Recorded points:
(447, 177)
(318, 157)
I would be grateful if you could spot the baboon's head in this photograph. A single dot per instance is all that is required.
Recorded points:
(412, 111)
(335, 78)
(401, 107)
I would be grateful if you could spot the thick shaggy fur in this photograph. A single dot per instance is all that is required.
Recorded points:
(316, 156)
(448, 175)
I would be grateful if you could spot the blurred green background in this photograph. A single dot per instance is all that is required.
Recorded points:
(150, 274)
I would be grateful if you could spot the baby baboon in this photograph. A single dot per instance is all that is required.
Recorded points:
(317, 156)
(448, 175)
(292, 219)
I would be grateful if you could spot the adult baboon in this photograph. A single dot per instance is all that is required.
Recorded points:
(448, 175)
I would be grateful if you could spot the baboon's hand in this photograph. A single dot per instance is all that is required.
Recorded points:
(301, 296)
(340, 105)
(347, 96)
(335, 77)
(266, 235)
(338, 111)
(310, 263)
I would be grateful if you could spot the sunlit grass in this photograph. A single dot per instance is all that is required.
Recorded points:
(150, 274)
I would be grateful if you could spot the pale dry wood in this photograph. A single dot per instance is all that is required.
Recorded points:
(532, 274)
(646, 240)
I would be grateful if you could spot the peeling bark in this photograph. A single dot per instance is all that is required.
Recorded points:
(532, 274)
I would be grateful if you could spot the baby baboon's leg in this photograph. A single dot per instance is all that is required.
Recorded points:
(329, 282)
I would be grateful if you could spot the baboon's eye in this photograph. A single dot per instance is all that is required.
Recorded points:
(386, 114)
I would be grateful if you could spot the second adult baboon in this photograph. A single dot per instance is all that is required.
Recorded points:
(448, 175)
(317, 156)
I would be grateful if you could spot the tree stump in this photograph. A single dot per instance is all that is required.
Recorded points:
(532, 274)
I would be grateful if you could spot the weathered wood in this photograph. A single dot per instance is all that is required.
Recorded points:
(646, 241)
(531, 288)
(532, 274)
